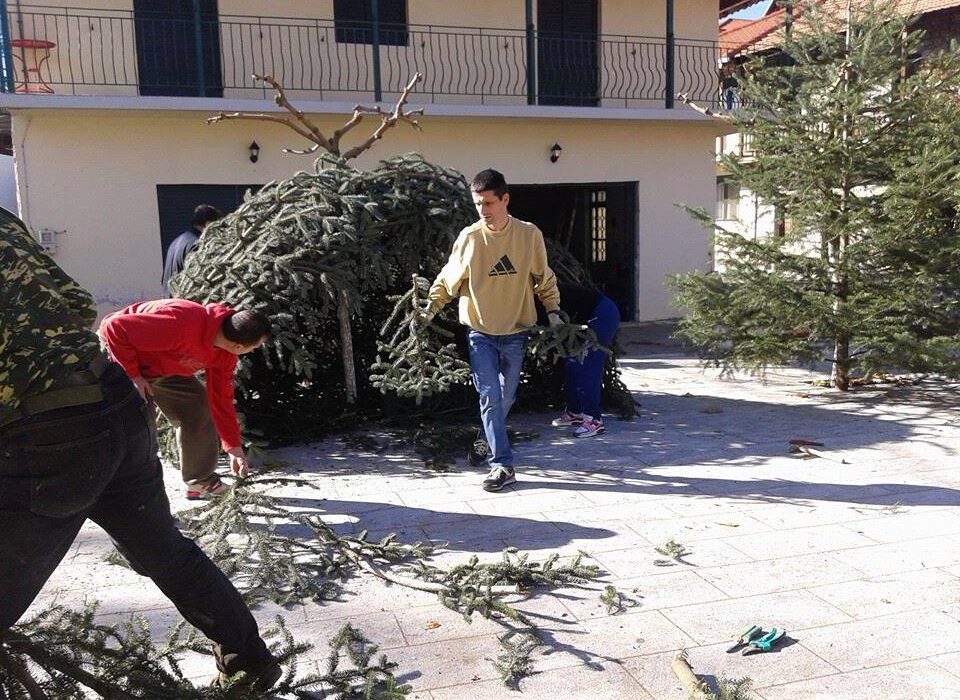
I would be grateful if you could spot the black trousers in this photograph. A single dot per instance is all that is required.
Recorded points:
(99, 461)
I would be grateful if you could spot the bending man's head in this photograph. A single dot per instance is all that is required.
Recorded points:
(243, 332)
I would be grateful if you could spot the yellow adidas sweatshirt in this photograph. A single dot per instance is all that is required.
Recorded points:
(496, 274)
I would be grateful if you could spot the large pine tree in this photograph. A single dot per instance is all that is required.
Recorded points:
(856, 141)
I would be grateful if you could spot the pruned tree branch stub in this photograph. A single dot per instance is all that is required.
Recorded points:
(305, 127)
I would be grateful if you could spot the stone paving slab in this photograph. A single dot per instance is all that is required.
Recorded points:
(781, 574)
(608, 683)
(712, 623)
(876, 641)
(914, 679)
(860, 561)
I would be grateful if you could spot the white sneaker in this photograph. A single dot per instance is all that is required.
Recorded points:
(589, 427)
(566, 419)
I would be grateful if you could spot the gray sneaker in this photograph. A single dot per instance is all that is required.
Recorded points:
(498, 478)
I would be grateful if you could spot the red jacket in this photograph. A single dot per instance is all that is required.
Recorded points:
(174, 337)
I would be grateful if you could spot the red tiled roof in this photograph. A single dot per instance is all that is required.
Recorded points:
(764, 33)
(727, 25)
(736, 38)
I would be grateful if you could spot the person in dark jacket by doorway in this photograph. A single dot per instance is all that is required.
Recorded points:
(583, 380)
(184, 244)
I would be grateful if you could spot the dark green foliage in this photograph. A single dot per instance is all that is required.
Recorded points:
(418, 363)
(513, 662)
(552, 344)
(295, 247)
(271, 552)
(274, 552)
(300, 247)
(438, 440)
(674, 550)
(66, 655)
(727, 689)
(282, 552)
(468, 587)
(856, 143)
(617, 601)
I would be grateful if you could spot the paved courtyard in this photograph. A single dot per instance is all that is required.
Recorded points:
(856, 552)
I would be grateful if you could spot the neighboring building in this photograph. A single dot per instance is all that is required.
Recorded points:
(108, 108)
(739, 210)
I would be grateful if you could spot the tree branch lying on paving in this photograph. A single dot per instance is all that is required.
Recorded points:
(243, 533)
(65, 655)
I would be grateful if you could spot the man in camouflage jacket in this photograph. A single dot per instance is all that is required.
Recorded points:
(75, 443)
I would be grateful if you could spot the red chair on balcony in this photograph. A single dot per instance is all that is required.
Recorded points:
(32, 55)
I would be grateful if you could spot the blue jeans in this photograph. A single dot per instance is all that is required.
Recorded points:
(584, 379)
(496, 361)
(99, 461)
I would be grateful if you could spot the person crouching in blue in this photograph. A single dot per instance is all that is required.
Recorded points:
(583, 380)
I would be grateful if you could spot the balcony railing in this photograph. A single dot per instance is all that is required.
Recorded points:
(74, 51)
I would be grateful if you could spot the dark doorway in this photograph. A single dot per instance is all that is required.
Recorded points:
(567, 45)
(597, 223)
(177, 202)
(168, 34)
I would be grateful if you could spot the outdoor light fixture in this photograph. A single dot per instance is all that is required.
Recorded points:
(555, 152)
(254, 152)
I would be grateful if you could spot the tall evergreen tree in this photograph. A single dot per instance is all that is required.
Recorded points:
(856, 142)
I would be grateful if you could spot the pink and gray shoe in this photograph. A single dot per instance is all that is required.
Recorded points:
(589, 427)
(567, 419)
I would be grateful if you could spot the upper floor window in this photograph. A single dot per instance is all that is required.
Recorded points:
(353, 22)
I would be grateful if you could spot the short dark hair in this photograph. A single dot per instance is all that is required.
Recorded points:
(489, 180)
(205, 214)
(246, 327)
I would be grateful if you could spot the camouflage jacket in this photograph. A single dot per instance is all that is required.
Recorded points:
(45, 318)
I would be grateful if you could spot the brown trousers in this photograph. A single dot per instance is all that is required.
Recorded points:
(183, 401)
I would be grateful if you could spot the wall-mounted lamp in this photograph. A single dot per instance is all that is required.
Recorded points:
(555, 152)
(254, 152)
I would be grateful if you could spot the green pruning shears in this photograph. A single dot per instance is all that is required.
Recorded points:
(756, 640)
(745, 637)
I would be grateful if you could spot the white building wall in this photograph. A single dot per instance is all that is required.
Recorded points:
(93, 175)
(8, 184)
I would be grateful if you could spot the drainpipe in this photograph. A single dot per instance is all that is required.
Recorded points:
(531, 56)
(375, 48)
(6, 59)
(198, 49)
(789, 18)
(671, 50)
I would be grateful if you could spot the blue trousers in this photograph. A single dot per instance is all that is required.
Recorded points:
(583, 379)
(495, 361)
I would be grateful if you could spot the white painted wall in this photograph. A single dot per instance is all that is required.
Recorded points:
(93, 174)
(8, 184)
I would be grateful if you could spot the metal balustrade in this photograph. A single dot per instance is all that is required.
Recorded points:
(70, 51)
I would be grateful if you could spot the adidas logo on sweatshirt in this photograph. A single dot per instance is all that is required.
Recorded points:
(503, 267)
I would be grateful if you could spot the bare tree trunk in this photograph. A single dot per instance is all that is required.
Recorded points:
(840, 376)
(346, 349)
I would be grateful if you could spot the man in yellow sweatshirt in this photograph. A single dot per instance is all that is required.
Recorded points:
(496, 267)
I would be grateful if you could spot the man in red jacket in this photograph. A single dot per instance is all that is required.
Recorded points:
(162, 345)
